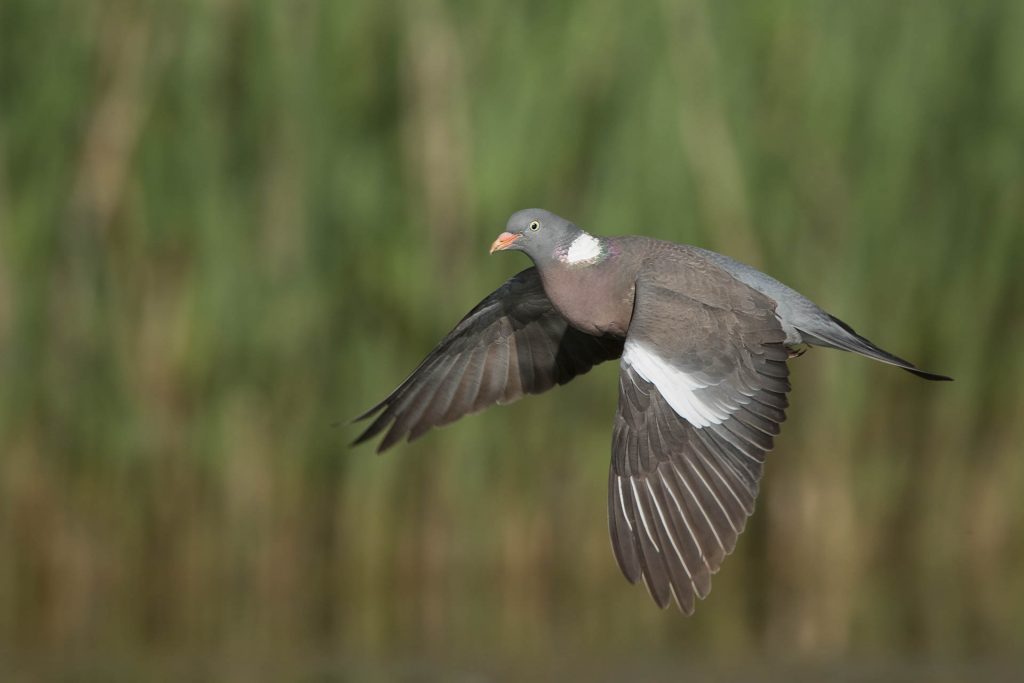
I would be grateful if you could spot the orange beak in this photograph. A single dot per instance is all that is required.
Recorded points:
(504, 241)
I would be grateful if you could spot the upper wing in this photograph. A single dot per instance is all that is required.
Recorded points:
(701, 394)
(512, 343)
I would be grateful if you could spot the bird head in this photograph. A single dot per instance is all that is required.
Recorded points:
(537, 232)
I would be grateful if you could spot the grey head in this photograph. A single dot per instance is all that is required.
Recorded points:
(539, 233)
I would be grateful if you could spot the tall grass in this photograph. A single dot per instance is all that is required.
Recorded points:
(226, 225)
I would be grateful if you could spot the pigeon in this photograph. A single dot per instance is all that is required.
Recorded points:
(703, 343)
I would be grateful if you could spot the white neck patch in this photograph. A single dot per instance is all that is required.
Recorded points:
(584, 249)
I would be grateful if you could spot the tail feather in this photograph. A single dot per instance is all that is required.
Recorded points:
(842, 336)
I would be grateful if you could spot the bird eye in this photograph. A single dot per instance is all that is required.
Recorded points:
(534, 225)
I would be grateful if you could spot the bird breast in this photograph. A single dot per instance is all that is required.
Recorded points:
(591, 300)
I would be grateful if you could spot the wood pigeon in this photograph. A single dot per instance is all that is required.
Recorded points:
(702, 343)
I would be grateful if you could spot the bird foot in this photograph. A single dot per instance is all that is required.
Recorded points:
(797, 351)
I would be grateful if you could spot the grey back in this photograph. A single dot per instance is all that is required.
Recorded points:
(796, 311)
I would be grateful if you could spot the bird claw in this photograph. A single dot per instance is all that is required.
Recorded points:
(797, 351)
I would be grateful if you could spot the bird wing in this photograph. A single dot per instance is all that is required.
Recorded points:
(701, 394)
(512, 343)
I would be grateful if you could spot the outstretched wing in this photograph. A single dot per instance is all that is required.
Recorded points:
(512, 343)
(701, 394)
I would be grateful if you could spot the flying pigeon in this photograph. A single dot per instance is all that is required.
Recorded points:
(702, 343)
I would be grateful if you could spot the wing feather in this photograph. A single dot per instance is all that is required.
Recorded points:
(680, 493)
(512, 343)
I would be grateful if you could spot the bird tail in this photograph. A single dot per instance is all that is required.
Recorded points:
(841, 336)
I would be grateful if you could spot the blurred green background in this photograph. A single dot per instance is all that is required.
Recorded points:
(226, 225)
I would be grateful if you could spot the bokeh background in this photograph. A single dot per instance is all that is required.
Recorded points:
(226, 225)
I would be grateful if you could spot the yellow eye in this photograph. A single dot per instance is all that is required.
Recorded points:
(534, 225)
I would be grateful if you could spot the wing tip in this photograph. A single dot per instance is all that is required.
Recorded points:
(361, 439)
(366, 415)
(687, 610)
(366, 436)
(375, 428)
(930, 376)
